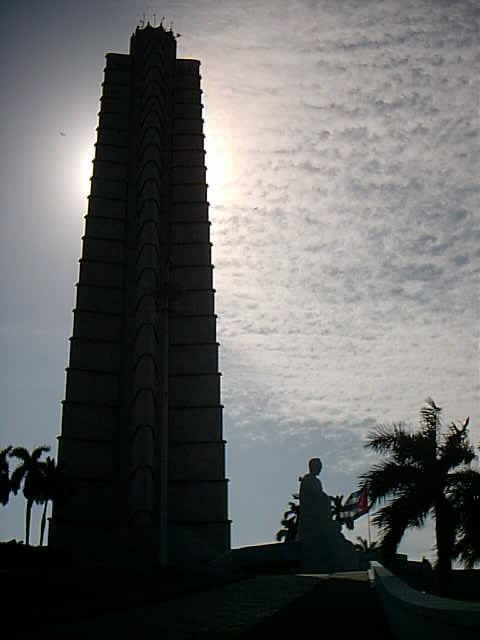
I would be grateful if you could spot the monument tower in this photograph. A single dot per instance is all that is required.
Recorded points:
(141, 442)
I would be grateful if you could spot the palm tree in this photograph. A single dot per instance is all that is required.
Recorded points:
(365, 546)
(416, 477)
(337, 505)
(50, 489)
(4, 478)
(465, 496)
(289, 521)
(337, 502)
(30, 472)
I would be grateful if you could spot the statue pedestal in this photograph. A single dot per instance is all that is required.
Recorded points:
(328, 551)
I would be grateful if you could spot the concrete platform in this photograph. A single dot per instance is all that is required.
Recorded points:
(250, 608)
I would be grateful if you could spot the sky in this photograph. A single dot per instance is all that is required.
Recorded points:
(342, 143)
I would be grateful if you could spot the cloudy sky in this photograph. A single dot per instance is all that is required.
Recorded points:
(342, 153)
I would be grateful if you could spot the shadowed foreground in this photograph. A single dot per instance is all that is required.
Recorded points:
(94, 603)
(256, 607)
(342, 604)
(252, 608)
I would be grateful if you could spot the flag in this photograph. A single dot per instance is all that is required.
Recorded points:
(354, 506)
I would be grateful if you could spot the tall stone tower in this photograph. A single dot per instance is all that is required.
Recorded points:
(141, 444)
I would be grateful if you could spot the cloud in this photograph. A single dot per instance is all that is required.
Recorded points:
(344, 222)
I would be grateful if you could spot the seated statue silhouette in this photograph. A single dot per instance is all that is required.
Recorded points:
(323, 547)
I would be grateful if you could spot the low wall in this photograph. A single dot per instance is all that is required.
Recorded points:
(259, 558)
(416, 615)
(270, 554)
(285, 557)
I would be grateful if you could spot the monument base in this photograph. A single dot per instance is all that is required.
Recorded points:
(330, 554)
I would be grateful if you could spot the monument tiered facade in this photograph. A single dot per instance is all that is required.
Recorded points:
(141, 444)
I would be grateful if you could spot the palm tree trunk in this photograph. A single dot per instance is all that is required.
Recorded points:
(445, 536)
(43, 521)
(28, 515)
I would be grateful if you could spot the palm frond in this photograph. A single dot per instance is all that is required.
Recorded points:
(387, 478)
(468, 551)
(289, 521)
(455, 448)
(5, 486)
(21, 453)
(286, 522)
(3, 458)
(402, 444)
(364, 545)
(38, 452)
(463, 484)
(17, 477)
(337, 503)
(402, 509)
(395, 518)
(383, 438)
(53, 481)
(430, 418)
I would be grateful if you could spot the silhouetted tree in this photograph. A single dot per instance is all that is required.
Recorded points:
(50, 489)
(416, 478)
(289, 521)
(4, 476)
(29, 472)
(365, 546)
(337, 504)
(465, 496)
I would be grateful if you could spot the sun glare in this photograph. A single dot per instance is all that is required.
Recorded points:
(84, 172)
(219, 168)
(218, 161)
